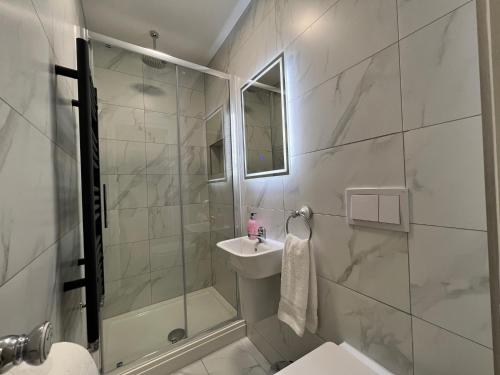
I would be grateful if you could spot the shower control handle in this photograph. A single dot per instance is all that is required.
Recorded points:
(33, 348)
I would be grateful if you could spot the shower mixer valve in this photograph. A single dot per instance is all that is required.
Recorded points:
(33, 348)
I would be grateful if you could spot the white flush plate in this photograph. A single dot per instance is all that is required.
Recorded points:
(404, 212)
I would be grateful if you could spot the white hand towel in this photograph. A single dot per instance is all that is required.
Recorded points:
(299, 295)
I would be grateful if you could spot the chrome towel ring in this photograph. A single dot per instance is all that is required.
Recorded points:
(306, 213)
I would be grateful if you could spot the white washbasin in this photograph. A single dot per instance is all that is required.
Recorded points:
(252, 259)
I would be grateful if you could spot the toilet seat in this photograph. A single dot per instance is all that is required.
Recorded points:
(331, 359)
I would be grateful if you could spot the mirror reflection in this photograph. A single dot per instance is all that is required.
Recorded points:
(264, 122)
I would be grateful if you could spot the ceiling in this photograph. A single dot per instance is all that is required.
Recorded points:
(192, 30)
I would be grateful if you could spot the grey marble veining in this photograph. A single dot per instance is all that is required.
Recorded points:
(24, 148)
(319, 179)
(125, 191)
(164, 221)
(264, 192)
(293, 17)
(128, 225)
(440, 70)
(167, 284)
(445, 176)
(162, 158)
(121, 123)
(438, 351)
(258, 50)
(450, 280)
(194, 189)
(192, 131)
(163, 190)
(378, 330)
(126, 260)
(193, 160)
(248, 24)
(370, 261)
(125, 295)
(323, 51)
(25, 77)
(413, 14)
(191, 103)
(362, 102)
(272, 220)
(161, 127)
(165, 252)
(122, 157)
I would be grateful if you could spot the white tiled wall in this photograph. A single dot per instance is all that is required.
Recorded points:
(39, 215)
(380, 93)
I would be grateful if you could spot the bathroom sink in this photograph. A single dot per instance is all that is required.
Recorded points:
(252, 259)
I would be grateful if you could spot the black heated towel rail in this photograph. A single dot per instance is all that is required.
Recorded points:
(93, 282)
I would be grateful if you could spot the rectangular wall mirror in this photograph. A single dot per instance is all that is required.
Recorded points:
(215, 146)
(264, 122)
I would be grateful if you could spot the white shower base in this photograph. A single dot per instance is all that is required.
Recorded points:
(132, 335)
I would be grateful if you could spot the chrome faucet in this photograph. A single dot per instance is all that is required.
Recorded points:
(260, 235)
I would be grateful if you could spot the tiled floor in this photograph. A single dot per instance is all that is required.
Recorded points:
(239, 358)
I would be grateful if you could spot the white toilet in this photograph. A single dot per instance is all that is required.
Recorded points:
(333, 359)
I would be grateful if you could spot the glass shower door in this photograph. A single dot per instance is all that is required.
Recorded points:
(144, 263)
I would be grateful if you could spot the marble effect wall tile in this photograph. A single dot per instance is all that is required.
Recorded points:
(124, 226)
(370, 261)
(162, 159)
(378, 330)
(159, 96)
(450, 280)
(125, 191)
(161, 127)
(445, 176)
(191, 79)
(319, 179)
(116, 59)
(440, 71)
(164, 221)
(438, 351)
(362, 102)
(193, 160)
(163, 190)
(126, 260)
(121, 123)
(119, 88)
(257, 51)
(122, 157)
(125, 295)
(166, 75)
(165, 252)
(28, 199)
(264, 192)
(26, 76)
(192, 131)
(191, 103)
(414, 14)
(323, 51)
(293, 17)
(167, 284)
(194, 189)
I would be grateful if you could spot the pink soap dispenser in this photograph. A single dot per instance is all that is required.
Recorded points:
(252, 227)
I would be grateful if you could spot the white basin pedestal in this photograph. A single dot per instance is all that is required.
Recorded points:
(258, 266)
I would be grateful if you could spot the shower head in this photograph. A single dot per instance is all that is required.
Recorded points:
(151, 61)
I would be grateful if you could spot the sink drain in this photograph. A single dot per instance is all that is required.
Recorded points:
(176, 335)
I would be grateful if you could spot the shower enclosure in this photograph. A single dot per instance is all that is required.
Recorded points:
(160, 126)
